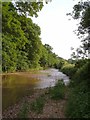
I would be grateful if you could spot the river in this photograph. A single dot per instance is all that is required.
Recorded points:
(17, 85)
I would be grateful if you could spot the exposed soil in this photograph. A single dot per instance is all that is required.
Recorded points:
(52, 108)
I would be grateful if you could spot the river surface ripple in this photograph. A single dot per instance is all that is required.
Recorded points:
(50, 77)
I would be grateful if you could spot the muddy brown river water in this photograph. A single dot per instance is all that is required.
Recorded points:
(15, 86)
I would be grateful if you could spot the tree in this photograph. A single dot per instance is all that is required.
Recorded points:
(82, 11)
(20, 37)
(21, 42)
(28, 8)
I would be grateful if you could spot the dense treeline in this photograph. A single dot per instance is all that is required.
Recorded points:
(22, 48)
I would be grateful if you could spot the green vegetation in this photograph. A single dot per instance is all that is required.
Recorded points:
(81, 11)
(68, 69)
(78, 103)
(20, 34)
(24, 110)
(22, 48)
(58, 91)
(78, 100)
(38, 104)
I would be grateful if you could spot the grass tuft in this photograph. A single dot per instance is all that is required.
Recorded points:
(24, 110)
(38, 104)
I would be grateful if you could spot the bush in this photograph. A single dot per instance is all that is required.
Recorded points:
(77, 106)
(80, 63)
(38, 104)
(82, 73)
(24, 110)
(58, 91)
(69, 70)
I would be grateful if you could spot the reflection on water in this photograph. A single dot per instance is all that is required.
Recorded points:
(15, 86)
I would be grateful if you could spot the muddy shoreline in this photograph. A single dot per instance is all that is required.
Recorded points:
(52, 108)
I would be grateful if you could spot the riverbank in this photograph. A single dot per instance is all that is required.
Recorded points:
(52, 108)
(34, 87)
(29, 72)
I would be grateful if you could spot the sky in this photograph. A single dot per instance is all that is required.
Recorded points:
(56, 29)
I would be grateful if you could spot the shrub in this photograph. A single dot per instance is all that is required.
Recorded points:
(82, 73)
(80, 63)
(58, 91)
(38, 104)
(24, 110)
(77, 106)
(69, 70)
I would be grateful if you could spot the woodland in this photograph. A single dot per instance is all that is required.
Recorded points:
(22, 50)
